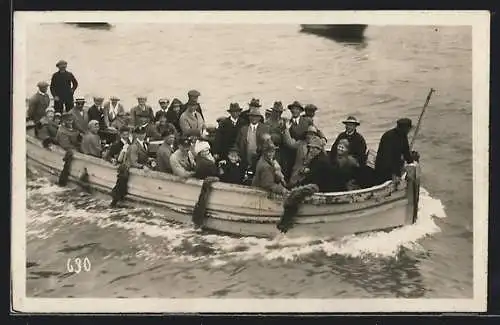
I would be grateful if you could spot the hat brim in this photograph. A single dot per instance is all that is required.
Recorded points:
(290, 107)
(234, 110)
(351, 122)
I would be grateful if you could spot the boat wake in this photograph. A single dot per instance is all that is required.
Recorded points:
(51, 209)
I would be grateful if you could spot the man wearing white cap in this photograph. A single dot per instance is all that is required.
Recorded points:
(80, 117)
(39, 102)
(48, 128)
(114, 113)
(91, 143)
(62, 87)
(205, 162)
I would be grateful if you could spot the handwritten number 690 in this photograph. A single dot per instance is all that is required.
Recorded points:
(77, 265)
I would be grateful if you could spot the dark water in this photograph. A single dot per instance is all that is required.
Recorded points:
(135, 253)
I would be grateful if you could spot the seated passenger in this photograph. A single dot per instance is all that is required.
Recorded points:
(163, 102)
(268, 174)
(57, 118)
(137, 152)
(154, 130)
(67, 137)
(117, 150)
(48, 128)
(300, 154)
(165, 150)
(231, 170)
(173, 114)
(142, 113)
(357, 143)
(346, 167)
(114, 113)
(318, 169)
(182, 160)
(205, 162)
(91, 142)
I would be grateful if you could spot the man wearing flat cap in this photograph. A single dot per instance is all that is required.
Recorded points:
(62, 87)
(114, 113)
(191, 120)
(137, 153)
(38, 103)
(96, 112)
(357, 143)
(163, 102)
(393, 151)
(79, 116)
(142, 113)
(193, 101)
(226, 133)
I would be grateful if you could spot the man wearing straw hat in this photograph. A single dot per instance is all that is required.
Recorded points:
(227, 131)
(357, 143)
(114, 113)
(142, 113)
(62, 87)
(249, 139)
(38, 103)
(79, 116)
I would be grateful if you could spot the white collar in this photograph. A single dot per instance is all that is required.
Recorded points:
(124, 141)
(296, 119)
(350, 133)
(140, 142)
(254, 126)
(43, 94)
(233, 120)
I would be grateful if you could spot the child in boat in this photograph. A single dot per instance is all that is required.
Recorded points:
(231, 170)
(205, 162)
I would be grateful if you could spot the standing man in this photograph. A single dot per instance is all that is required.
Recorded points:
(142, 113)
(254, 103)
(227, 131)
(38, 103)
(114, 113)
(62, 87)
(250, 140)
(191, 121)
(137, 152)
(357, 143)
(299, 124)
(393, 150)
(163, 108)
(193, 101)
(96, 112)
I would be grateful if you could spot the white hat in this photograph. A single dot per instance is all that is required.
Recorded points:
(48, 109)
(200, 146)
(93, 122)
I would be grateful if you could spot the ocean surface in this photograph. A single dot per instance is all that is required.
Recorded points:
(134, 252)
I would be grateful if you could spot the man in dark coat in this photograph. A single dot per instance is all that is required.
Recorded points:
(299, 124)
(80, 117)
(357, 143)
(137, 152)
(250, 139)
(67, 137)
(254, 103)
(38, 103)
(62, 87)
(393, 150)
(226, 133)
(115, 148)
(163, 102)
(193, 101)
(96, 112)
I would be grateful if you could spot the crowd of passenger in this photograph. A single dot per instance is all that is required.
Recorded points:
(266, 151)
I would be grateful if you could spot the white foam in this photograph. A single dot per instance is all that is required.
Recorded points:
(181, 243)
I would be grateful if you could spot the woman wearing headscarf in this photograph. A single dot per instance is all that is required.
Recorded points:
(174, 113)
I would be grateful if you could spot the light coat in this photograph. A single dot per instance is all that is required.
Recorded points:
(181, 165)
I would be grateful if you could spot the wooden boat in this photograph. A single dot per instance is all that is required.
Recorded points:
(347, 31)
(244, 210)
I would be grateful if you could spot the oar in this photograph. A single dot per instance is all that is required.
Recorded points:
(417, 128)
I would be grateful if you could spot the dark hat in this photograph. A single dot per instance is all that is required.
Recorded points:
(404, 123)
(114, 98)
(295, 104)
(311, 107)
(351, 119)
(277, 107)
(42, 84)
(194, 93)
(220, 119)
(254, 111)
(124, 128)
(168, 131)
(234, 107)
(234, 148)
(312, 129)
(61, 62)
(254, 103)
(175, 102)
(79, 99)
(67, 117)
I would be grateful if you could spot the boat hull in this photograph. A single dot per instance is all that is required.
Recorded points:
(348, 31)
(241, 210)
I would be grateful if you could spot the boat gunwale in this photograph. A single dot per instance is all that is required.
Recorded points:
(244, 189)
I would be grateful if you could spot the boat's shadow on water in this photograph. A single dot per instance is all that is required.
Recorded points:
(358, 43)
